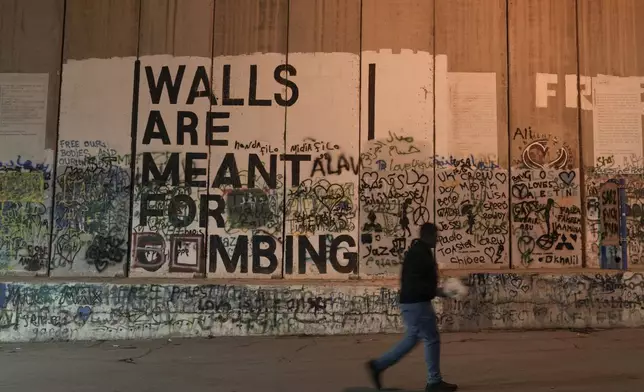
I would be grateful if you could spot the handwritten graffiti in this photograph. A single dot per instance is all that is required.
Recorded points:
(24, 220)
(91, 211)
(396, 153)
(252, 208)
(25, 187)
(321, 206)
(546, 218)
(42, 312)
(394, 205)
(105, 251)
(472, 207)
(541, 151)
(328, 164)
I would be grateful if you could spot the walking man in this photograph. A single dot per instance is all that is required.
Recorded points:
(418, 286)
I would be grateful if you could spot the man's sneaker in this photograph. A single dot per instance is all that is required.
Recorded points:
(374, 373)
(441, 387)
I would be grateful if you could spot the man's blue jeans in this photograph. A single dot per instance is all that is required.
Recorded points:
(420, 324)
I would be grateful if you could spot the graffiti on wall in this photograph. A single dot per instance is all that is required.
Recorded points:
(472, 207)
(221, 190)
(198, 184)
(546, 202)
(92, 209)
(613, 190)
(43, 312)
(24, 216)
(396, 197)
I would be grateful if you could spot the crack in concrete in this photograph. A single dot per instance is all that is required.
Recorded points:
(148, 352)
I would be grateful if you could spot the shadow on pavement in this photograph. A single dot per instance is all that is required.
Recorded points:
(370, 389)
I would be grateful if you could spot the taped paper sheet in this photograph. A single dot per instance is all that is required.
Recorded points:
(23, 113)
(473, 115)
(617, 118)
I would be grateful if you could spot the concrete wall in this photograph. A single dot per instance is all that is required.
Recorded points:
(301, 139)
(84, 311)
(309, 139)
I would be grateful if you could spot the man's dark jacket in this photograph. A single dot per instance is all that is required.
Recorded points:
(419, 276)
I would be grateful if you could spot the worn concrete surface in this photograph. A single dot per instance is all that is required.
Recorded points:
(519, 361)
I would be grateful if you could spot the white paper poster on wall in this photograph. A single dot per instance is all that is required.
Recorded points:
(473, 115)
(23, 114)
(617, 118)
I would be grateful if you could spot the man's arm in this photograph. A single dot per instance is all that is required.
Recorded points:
(432, 268)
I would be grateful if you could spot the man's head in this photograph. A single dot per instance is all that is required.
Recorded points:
(429, 234)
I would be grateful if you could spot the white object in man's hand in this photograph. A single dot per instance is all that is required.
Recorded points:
(453, 288)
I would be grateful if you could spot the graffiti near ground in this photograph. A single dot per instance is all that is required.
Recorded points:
(41, 312)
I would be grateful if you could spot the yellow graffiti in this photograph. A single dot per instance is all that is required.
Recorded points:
(22, 187)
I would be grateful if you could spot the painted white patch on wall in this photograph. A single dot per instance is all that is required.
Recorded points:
(404, 85)
(472, 192)
(397, 152)
(171, 167)
(91, 214)
(252, 93)
(323, 126)
(96, 101)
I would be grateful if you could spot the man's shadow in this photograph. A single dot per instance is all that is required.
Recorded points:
(370, 389)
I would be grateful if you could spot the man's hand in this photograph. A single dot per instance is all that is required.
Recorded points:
(452, 288)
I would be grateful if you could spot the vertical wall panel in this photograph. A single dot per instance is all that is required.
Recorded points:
(251, 82)
(322, 129)
(396, 140)
(168, 235)
(612, 70)
(30, 46)
(472, 183)
(91, 215)
(546, 196)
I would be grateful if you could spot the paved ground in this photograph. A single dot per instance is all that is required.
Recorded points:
(611, 361)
